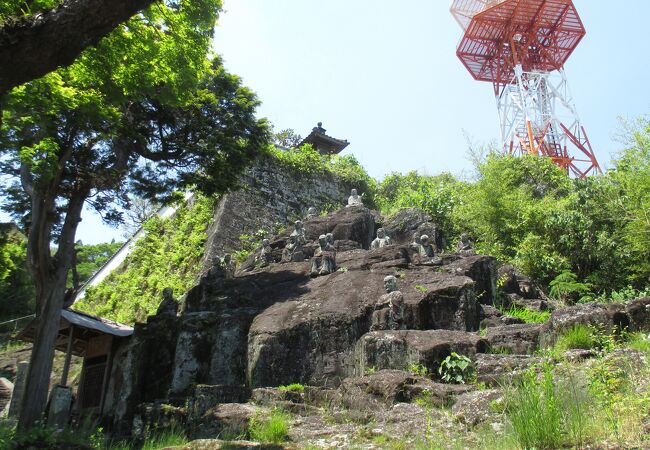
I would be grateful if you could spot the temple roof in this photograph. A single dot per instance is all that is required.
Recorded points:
(324, 144)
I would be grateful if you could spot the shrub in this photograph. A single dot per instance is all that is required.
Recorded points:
(273, 429)
(418, 369)
(456, 369)
(294, 387)
(566, 287)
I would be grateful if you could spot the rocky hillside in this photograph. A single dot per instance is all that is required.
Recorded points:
(213, 360)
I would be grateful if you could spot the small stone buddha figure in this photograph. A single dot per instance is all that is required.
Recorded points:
(229, 265)
(465, 246)
(311, 213)
(293, 251)
(425, 248)
(354, 199)
(168, 306)
(381, 240)
(389, 310)
(324, 260)
(330, 239)
(415, 242)
(266, 254)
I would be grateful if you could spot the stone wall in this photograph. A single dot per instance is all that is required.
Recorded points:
(271, 194)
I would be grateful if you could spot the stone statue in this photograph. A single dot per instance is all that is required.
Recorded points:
(324, 260)
(415, 244)
(293, 250)
(381, 241)
(354, 199)
(465, 246)
(330, 238)
(229, 265)
(389, 310)
(311, 213)
(266, 254)
(425, 248)
(168, 306)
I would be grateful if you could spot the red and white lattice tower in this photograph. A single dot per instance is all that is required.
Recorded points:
(520, 46)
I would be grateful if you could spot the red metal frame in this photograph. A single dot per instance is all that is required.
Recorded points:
(539, 35)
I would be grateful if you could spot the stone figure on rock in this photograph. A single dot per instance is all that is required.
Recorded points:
(427, 252)
(293, 251)
(389, 310)
(311, 213)
(354, 199)
(266, 254)
(229, 266)
(324, 260)
(382, 240)
(465, 246)
(168, 306)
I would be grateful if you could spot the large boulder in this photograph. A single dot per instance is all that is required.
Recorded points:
(519, 339)
(402, 226)
(499, 369)
(606, 317)
(399, 349)
(483, 270)
(638, 312)
(473, 408)
(394, 386)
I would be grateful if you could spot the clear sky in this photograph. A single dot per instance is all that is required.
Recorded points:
(385, 76)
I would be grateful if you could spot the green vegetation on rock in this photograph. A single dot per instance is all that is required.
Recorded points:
(167, 256)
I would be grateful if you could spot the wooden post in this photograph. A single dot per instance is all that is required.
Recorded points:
(68, 357)
(107, 375)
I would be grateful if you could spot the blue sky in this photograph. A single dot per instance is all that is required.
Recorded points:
(385, 76)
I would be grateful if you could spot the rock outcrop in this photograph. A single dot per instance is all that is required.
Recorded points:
(276, 325)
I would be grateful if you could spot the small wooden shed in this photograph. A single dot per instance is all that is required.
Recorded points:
(95, 340)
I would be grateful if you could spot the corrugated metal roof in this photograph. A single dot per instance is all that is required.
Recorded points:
(96, 323)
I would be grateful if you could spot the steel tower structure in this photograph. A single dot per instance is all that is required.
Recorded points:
(521, 46)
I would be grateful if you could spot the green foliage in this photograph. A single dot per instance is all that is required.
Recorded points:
(421, 289)
(457, 369)
(16, 286)
(294, 387)
(90, 258)
(585, 337)
(418, 369)
(527, 315)
(638, 341)
(167, 256)
(173, 438)
(437, 195)
(566, 287)
(273, 429)
(623, 295)
(544, 414)
(249, 243)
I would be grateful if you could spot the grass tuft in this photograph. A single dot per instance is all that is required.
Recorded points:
(273, 429)
(527, 315)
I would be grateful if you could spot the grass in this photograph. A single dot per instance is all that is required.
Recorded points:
(294, 387)
(546, 414)
(638, 341)
(273, 429)
(577, 337)
(527, 315)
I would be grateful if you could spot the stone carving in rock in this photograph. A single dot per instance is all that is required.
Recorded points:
(427, 252)
(324, 260)
(415, 243)
(168, 306)
(266, 254)
(229, 266)
(293, 250)
(465, 246)
(354, 199)
(389, 310)
(381, 240)
(311, 213)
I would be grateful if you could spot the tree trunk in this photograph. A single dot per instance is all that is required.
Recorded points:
(33, 46)
(40, 364)
(50, 276)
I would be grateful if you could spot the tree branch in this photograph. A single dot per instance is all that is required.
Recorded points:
(33, 46)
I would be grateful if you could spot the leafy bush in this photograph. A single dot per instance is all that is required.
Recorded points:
(418, 369)
(456, 369)
(566, 287)
(273, 429)
(294, 387)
